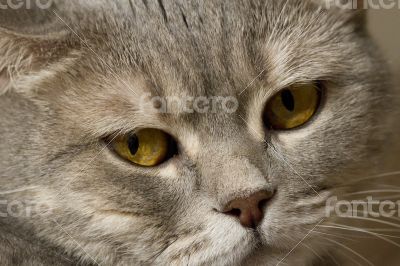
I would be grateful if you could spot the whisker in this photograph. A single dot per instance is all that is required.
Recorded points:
(388, 174)
(365, 214)
(351, 228)
(350, 250)
(393, 197)
(357, 229)
(373, 191)
(313, 251)
(374, 229)
(350, 237)
(334, 235)
(387, 186)
(349, 257)
(372, 220)
(333, 258)
(380, 229)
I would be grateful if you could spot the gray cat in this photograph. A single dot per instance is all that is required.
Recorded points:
(97, 167)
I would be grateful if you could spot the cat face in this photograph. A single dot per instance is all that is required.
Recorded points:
(235, 188)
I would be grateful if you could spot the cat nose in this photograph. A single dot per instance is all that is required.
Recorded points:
(249, 210)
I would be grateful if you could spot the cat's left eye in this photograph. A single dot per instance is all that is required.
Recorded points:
(292, 107)
(147, 147)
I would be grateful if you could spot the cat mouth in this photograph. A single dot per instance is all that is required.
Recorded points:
(230, 246)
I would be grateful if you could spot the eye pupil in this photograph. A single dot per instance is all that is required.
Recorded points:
(133, 144)
(288, 100)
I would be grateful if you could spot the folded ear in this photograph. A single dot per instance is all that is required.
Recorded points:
(359, 13)
(353, 11)
(30, 40)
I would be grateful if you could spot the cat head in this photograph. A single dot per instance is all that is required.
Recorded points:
(230, 182)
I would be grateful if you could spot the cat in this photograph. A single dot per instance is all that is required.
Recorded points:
(238, 188)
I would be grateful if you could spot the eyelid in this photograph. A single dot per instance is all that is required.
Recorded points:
(272, 91)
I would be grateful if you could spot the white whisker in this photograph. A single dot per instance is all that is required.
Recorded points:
(373, 191)
(313, 251)
(349, 257)
(334, 235)
(365, 214)
(351, 228)
(388, 174)
(350, 250)
(333, 259)
(372, 220)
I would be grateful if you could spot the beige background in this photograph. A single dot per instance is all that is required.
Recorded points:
(385, 27)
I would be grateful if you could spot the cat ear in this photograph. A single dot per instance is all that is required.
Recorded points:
(31, 38)
(353, 10)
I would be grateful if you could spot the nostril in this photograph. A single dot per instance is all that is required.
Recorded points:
(262, 204)
(234, 212)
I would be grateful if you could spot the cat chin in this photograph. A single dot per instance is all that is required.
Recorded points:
(222, 243)
(269, 257)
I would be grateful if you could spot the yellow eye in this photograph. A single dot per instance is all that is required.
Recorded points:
(292, 107)
(147, 147)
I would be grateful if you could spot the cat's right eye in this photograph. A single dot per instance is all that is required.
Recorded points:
(147, 147)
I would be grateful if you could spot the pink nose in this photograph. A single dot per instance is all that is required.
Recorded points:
(249, 210)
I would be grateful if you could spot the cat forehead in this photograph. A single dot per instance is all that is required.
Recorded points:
(216, 47)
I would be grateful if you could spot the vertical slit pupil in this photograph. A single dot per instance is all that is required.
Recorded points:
(288, 100)
(133, 144)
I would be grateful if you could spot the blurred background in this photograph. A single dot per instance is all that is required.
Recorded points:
(385, 27)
